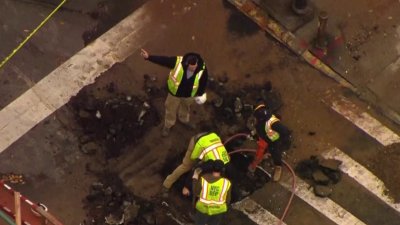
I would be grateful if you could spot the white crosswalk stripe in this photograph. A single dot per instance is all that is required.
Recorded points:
(362, 175)
(255, 212)
(365, 122)
(82, 69)
(325, 206)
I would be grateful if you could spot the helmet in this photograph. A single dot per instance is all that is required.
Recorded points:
(261, 112)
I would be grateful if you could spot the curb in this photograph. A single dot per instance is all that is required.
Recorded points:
(287, 38)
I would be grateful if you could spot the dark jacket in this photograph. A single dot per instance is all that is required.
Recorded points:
(186, 86)
(284, 132)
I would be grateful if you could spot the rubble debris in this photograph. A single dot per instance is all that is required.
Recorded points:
(322, 173)
(150, 86)
(320, 178)
(331, 164)
(13, 178)
(89, 148)
(323, 190)
(236, 107)
(113, 122)
(110, 202)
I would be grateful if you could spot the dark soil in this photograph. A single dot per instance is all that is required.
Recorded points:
(109, 200)
(115, 121)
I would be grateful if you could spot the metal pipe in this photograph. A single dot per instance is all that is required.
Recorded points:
(321, 42)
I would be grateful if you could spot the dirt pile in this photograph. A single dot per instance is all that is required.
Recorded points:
(113, 122)
(109, 202)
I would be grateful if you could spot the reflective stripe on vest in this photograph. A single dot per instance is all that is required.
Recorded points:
(175, 77)
(205, 192)
(271, 134)
(212, 148)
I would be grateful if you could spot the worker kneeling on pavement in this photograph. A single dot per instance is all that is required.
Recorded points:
(213, 194)
(202, 147)
(273, 137)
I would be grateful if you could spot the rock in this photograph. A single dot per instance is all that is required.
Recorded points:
(223, 78)
(335, 176)
(320, 178)
(131, 211)
(94, 168)
(114, 219)
(238, 105)
(218, 101)
(89, 148)
(97, 186)
(84, 114)
(322, 190)
(84, 139)
(331, 164)
(90, 104)
(108, 191)
(150, 219)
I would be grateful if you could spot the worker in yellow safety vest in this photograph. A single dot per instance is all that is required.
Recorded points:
(202, 147)
(273, 137)
(186, 84)
(213, 193)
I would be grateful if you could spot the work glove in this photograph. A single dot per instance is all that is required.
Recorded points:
(196, 173)
(201, 99)
(185, 191)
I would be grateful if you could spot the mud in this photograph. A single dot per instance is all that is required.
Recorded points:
(388, 157)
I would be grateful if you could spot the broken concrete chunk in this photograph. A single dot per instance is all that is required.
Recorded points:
(131, 211)
(322, 190)
(89, 148)
(331, 164)
(84, 114)
(150, 219)
(320, 178)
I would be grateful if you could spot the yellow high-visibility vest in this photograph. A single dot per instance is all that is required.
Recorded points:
(212, 199)
(175, 77)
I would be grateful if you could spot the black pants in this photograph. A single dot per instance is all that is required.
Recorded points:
(275, 149)
(204, 219)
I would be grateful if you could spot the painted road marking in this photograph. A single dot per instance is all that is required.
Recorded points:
(325, 206)
(362, 175)
(255, 212)
(82, 69)
(365, 122)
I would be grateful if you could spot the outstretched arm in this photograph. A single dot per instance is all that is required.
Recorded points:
(167, 61)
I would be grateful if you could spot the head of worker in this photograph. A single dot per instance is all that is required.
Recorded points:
(261, 112)
(192, 62)
(217, 167)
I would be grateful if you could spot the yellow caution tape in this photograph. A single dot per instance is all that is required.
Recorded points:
(31, 34)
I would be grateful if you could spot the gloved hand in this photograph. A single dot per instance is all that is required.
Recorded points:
(196, 173)
(201, 99)
(185, 191)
